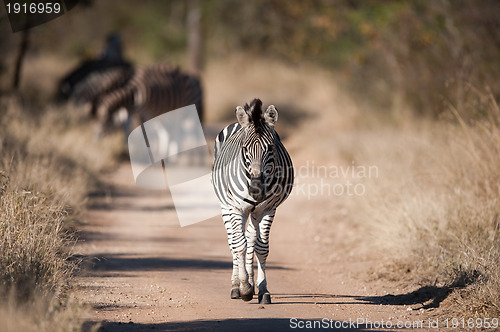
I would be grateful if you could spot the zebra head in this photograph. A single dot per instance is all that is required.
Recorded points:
(258, 146)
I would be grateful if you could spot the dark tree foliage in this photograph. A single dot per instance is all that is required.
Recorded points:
(430, 52)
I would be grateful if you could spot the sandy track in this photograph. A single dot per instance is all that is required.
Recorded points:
(145, 272)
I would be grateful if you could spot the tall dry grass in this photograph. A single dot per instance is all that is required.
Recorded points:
(435, 208)
(48, 164)
(44, 312)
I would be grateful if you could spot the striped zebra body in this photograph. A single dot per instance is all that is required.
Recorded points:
(86, 75)
(76, 79)
(94, 78)
(150, 92)
(252, 176)
(97, 85)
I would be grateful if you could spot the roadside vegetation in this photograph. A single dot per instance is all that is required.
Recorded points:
(435, 208)
(48, 164)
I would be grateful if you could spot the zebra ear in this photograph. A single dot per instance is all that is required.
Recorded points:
(271, 115)
(242, 116)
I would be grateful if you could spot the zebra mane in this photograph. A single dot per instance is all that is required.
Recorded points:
(254, 111)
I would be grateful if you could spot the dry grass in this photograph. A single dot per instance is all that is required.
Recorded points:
(48, 164)
(435, 206)
(32, 232)
(44, 313)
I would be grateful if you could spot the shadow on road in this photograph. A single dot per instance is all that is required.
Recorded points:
(230, 325)
(426, 296)
(131, 262)
(313, 298)
(89, 236)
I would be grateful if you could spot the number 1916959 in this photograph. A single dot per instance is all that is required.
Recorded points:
(34, 8)
(479, 323)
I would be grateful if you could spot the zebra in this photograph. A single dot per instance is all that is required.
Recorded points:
(99, 84)
(252, 175)
(85, 83)
(148, 93)
(69, 83)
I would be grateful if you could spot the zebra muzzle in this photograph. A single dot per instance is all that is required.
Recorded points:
(257, 189)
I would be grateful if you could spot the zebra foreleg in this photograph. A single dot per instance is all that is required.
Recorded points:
(239, 248)
(251, 236)
(263, 226)
(228, 218)
(235, 280)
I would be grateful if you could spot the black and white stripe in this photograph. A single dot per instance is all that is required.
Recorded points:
(150, 92)
(97, 85)
(252, 175)
(77, 78)
(86, 77)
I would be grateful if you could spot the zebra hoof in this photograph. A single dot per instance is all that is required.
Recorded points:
(235, 293)
(247, 293)
(265, 298)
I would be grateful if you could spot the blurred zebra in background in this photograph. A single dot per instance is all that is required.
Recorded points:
(97, 85)
(95, 77)
(119, 93)
(148, 93)
(252, 175)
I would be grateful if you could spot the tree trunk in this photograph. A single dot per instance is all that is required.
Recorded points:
(195, 47)
(23, 47)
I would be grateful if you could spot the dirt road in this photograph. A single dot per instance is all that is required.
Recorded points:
(145, 272)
